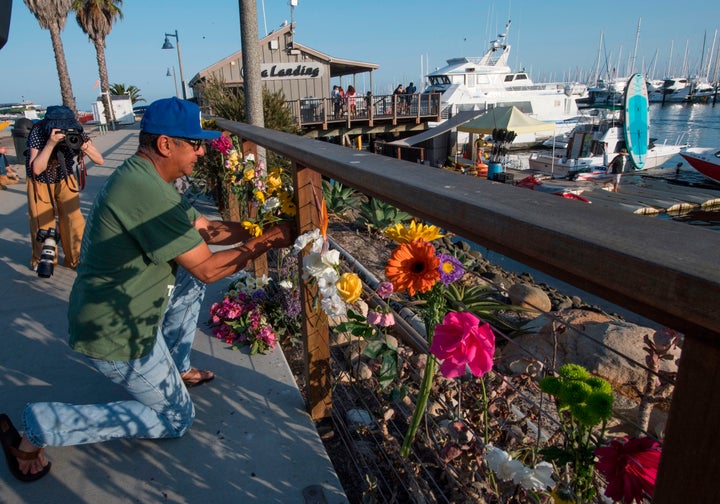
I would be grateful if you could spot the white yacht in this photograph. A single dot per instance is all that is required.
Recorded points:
(481, 83)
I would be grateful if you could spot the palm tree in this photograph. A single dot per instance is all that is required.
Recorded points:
(51, 16)
(96, 18)
(132, 91)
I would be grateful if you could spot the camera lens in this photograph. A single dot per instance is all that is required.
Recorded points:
(46, 265)
(74, 140)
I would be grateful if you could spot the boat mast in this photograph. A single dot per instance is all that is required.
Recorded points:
(669, 71)
(702, 54)
(597, 64)
(712, 54)
(637, 39)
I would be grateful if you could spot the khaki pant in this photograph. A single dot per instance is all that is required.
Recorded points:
(71, 223)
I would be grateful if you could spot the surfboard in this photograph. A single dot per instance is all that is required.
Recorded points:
(636, 127)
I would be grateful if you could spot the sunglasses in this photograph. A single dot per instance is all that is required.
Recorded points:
(196, 144)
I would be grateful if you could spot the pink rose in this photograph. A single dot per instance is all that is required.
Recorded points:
(459, 341)
(381, 319)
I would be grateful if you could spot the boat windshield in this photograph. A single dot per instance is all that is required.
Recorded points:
(437, 80)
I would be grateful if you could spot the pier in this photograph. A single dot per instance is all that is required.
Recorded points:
(322, 117)
(647, 192)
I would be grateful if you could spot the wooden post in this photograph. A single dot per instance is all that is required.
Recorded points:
(689, 466)
(315, 330)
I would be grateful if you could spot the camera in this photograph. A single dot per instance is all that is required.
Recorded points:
(73, 138)
(49, 237)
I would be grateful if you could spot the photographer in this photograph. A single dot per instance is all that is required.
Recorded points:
(54, 145)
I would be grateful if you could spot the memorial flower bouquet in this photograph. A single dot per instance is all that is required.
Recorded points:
(255, 312)
(262, 197)
(459, 339)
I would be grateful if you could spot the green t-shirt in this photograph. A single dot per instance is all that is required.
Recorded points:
(136, 228)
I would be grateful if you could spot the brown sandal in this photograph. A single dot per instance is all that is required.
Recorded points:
(10, 438)
(194, 377)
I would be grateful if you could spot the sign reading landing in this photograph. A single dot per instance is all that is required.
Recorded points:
(291, 70)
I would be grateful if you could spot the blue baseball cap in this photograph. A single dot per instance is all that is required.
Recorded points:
(175, 118)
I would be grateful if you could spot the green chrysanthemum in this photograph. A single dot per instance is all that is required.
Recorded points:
(573, 372)
(599, 385)
(584, 415)
(574, 392)
(551, 385)
(601, 403)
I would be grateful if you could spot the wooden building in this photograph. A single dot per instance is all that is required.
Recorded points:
(297, 70)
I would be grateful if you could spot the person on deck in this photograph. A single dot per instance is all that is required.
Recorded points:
(617, 166)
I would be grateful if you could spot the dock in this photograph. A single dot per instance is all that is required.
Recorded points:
(647, 192)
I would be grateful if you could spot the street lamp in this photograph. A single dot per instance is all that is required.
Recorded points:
(168, 45)
(168, 74)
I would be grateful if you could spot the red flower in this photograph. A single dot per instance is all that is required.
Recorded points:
(460, 340)
(630, 467)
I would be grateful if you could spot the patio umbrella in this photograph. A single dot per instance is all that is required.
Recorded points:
(504, 123)
(510, 118)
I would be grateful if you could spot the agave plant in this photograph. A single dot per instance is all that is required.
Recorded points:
(480, 300)
(342, 202)
(378, 215)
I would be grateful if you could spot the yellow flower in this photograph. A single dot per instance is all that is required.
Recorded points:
(249, 174)
(260, 197)
(274, 182)
(401, 234)
(349, 287)
(252, 228)
(288, 207)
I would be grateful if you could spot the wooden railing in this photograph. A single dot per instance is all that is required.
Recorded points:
(663, 270)
(321, 112)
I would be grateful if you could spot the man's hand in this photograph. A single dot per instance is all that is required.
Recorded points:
(281, 236)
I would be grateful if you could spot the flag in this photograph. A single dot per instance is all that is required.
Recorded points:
(97, 83)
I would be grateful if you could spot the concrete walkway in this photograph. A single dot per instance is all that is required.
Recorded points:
(252, 440)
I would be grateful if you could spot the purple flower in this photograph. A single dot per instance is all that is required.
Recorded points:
(384, 290)
(450, 269)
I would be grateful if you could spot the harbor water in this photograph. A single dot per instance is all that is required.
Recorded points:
(697, 125)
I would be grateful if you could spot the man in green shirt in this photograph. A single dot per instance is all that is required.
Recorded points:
(138, 231)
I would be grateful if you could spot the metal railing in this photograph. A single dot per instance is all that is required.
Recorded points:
(663, 270)
(364, 109)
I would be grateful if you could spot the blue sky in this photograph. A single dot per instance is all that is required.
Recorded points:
(552, 39)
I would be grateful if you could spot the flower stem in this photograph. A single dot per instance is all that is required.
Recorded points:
(430, 368)
(485, 409)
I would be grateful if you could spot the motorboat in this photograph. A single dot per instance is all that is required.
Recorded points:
(705, 160)
(682, 90)
(605, 94)
(482, 83)
(672, 90)
(592, 146)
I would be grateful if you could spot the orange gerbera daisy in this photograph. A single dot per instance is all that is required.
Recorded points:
(413, 267)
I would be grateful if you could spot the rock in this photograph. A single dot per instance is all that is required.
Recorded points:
(600, 349)
(359, 417)
(529, 296)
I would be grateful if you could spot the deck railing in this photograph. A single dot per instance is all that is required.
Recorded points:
(321, 112)
(662, 270)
